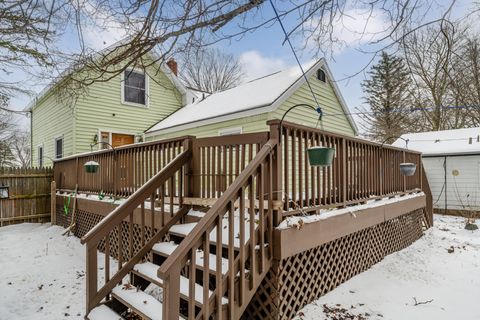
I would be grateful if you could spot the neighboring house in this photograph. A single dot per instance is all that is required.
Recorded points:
(117, 111)
(451, 159)
(247, 107)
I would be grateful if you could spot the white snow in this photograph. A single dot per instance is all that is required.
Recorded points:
(43, 273)
(139, 300)
(446, 142)
(102, 312)
(295, 221)
(424, 271)
(257, 93)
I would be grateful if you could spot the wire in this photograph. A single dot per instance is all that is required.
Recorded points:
(318, 109)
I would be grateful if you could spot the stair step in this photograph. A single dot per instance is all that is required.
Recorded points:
(148, 271)
(102, 312)
(140, 302)
(166, 248)
(182, 230)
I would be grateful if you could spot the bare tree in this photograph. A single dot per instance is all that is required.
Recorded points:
(211, 70)
(429, 54)
(20, 148)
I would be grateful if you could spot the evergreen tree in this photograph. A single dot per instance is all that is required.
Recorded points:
(388, 97)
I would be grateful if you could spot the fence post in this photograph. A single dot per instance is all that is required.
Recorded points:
(277, 173)
(53, 203)
(404, 177)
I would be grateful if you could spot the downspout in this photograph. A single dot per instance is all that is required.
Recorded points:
(31, 137)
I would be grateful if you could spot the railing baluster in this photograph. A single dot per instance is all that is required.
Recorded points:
(231, 257)
(206, 271)
(191, 284)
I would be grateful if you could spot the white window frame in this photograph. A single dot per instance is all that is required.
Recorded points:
(147, 89)
(230, 131)
(110, 133)
(55, 147)
(40, 161)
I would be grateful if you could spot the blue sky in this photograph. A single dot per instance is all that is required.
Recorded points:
(262, 52)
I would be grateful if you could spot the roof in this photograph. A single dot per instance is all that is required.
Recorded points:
(442, 143)
(187, 94)
(258, 96)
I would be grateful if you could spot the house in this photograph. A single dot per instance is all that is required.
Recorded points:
(116, 111)
(451, 159)
(247, 107)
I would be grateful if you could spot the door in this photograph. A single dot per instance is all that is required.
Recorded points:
(122, 139)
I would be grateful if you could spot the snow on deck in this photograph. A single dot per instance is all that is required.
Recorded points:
(295, 221)
(442, 267)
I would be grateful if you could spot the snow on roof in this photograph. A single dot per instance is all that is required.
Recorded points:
(255, 94)
(446, 142)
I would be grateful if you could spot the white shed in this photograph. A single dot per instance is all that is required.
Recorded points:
(451, 159)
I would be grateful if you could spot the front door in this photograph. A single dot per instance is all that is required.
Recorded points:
(122, 139)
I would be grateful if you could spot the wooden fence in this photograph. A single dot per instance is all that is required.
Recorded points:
(28, 195)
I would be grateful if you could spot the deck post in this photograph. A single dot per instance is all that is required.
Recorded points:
(53, 203)
(188, 185)
(194, 174)
(277, 173)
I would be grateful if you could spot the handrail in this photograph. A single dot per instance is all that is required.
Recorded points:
(194, 236)
(121, 212)
(338, 135)
(122, 148)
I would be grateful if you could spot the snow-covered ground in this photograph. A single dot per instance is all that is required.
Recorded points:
(42, 273)
(441, 272)
(43, 278)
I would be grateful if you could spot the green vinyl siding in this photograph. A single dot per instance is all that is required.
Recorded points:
(102, 109)
(336, 122)
(51, 120)
(255, 123)
(334, 119)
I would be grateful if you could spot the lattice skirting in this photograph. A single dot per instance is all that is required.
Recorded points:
(87, 220)
(298, 280)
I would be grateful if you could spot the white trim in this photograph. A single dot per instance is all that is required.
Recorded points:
(256, 110)
(147, 88)
(114, 131)
(230, 131)
(200, 123)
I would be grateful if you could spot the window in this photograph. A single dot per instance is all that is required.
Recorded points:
(321, 75)
(40, 156)
(230, 131)
(59, 148)
(134, 87)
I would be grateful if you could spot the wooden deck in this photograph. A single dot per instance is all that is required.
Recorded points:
(247, 184)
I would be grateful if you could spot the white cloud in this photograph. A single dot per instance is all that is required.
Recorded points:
(100, 29)
(352, 28)
(256, 65)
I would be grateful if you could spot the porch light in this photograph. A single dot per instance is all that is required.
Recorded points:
(318, 156)
(4, 192)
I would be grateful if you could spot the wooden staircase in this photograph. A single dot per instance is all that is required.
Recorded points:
(196, 266)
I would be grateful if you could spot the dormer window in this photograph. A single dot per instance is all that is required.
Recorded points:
(134, 87)
(321, 75)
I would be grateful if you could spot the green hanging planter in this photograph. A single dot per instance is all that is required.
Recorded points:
(320, 156)
(91, 166)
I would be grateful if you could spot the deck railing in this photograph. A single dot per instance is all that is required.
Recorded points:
(146, 216)
(122, 171)
(245, 211)
(361, 170)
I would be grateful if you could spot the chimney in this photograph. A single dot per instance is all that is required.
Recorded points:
(172, 64)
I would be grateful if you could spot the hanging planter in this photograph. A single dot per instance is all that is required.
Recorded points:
(91, 166)
(320, 156)
(408, 169)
